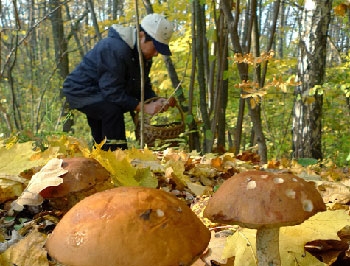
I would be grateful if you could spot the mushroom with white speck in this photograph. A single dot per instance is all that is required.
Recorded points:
(264, 201)
(129, 226)
(85, 177)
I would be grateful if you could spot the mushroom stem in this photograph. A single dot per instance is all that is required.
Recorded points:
(267, 247)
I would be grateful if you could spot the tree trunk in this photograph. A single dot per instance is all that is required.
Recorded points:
(232, 23)
(16, 112)
(94, 19)
(307, 111)
(223, 83)
(200, 36)
(193, 138)
(253, 38)
(61, 55)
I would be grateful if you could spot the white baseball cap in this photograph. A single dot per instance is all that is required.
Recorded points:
(160, 30)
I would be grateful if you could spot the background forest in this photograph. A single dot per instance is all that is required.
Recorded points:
(271, 76)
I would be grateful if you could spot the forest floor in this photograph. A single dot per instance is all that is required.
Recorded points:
(27, 218)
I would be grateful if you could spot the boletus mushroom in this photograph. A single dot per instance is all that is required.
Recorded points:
(85, 177)
(264, 201)
(128, 226)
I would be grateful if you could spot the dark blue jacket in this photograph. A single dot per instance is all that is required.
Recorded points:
(108, 72)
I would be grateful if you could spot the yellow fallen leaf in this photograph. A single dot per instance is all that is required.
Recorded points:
(241, 245)
(11, 187)
(28, 251)
(175, 171)
(323, 225)
(17, 158)
(197, 189)
(120, 168)
(123, 173)
(144, 155)
(146, 178)
(176, 175)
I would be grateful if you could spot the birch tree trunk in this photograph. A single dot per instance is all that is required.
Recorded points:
(307, 111)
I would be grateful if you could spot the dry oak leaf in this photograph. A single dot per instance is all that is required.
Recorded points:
(48, 176)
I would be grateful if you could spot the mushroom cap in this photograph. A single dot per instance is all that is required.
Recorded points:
(130, 226)
(85, 177)
(83, 173)
(258, 199)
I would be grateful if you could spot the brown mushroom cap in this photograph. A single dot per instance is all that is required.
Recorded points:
(128, 226)
(85, 177)
(256, 199)
(83, 173)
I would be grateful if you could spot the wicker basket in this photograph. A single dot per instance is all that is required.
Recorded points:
(161, 132)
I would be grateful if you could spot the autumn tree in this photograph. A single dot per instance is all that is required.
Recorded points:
(307, 111)
(252, 45)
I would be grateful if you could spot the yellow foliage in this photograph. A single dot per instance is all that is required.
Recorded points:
(323, 225)
(341, 9)
(121, 170)
(118, 163)
(251, 59)
(28, 251)
(17, 158)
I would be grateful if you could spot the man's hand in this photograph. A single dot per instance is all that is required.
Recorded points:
(153, 107)
(166, 103)
(159, 105)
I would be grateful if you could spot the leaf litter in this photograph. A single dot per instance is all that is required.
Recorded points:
(321, 240)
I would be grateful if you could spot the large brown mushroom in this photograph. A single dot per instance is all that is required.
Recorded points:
(264, 201)
(129, 226)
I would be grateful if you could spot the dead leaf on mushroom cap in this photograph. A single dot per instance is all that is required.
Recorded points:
(81, 174)
(49, 175)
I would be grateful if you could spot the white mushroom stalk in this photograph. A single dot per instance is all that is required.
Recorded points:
(267, 247)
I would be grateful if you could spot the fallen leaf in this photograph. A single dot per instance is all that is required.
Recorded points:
(28, 251)
(146, 178)
(11, 187)
(323, 225)
(215, 249)
(48, 176)
(17, 158)
(333, 192)
(175, 171)
(144, 155)
(327, 250)
(123, 173)
(197, 189)
(217, 163)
